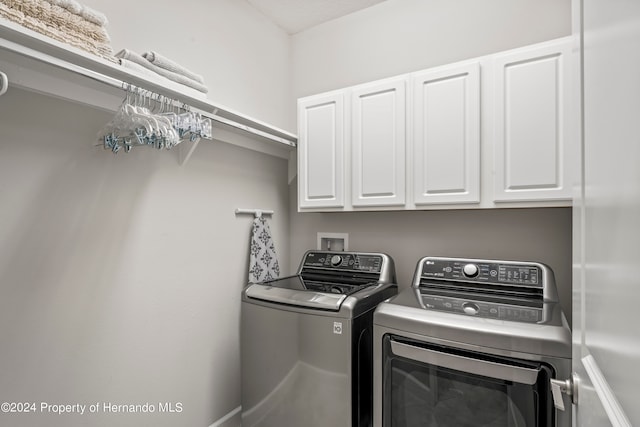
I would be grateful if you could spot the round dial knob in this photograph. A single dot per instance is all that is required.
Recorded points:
(470, 270)
(336, 260)
(470, 308)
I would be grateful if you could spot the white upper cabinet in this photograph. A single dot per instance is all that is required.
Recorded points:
(495, 131)
(378, 144)
(446, 135)
(321, 151)
(532, 134)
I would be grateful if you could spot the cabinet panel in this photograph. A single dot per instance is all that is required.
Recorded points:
(320, 151)
(446, 140)
(532, 108)
(378, 144)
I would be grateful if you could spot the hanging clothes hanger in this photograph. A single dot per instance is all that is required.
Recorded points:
(146, 119)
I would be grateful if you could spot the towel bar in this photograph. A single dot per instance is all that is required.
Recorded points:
(257, 212)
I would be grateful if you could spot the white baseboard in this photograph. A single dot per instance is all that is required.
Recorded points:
(232, 419)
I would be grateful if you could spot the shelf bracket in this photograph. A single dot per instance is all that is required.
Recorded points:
(186, 149)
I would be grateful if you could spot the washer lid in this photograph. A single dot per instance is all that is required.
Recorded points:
(294, 291)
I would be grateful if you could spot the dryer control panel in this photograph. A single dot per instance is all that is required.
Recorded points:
(506, 290)
(517, 274)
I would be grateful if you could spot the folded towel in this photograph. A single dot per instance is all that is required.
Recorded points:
(178, 78)
(153, 76)
(71, 5)
(86, 12)
(94, 16)
(263, 262)
(63, 20)
(163, 62)
(44, 18)
(38, 8)
(44, 9)
(55, 19)
(11, 13)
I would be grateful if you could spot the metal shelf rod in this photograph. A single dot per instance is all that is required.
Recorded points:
(32, 45)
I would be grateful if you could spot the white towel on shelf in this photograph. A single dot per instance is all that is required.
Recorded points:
(178, 78)
(169, 84)
(163, 62)
(263, 261)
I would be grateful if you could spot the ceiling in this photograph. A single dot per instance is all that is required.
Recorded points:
(297, 15)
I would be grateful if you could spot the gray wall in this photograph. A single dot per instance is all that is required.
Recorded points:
(243, 57)
(120, 276)
(398, 36)
(542, 235)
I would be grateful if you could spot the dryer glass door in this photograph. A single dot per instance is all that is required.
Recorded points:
(427, 385)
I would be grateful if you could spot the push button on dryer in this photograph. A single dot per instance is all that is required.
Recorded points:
(470, 270)
(470, 308)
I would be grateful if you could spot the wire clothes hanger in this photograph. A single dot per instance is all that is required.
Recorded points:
(148, 119)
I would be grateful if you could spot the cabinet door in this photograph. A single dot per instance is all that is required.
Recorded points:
(378, 144)
(446, 138)
(532, 109)
(321, 151)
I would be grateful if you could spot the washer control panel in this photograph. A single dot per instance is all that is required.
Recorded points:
(344, 261)
(517, 274)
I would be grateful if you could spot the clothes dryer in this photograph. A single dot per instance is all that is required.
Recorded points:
(472, 343)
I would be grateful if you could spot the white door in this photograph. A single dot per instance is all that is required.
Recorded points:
(446, 135)
(607, 219)
(321, 151)
(378, 143)
(532, 123)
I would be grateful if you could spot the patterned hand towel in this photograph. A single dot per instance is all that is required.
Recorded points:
(158, 60)
(263, 262)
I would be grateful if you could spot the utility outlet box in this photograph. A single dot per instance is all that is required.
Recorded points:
(333, 241)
